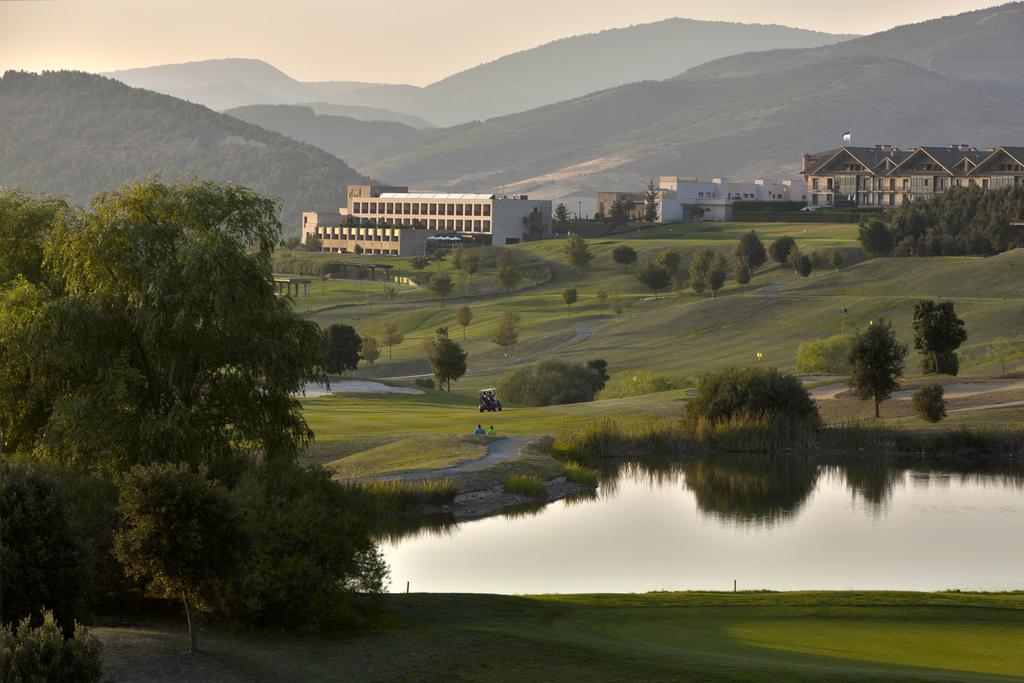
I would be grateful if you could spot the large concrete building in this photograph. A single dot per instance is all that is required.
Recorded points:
(687, 198)
(887, 176)
(392, 220)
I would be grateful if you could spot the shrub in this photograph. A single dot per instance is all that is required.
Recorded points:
(753, 393)
(578, 474)
(311, 548)
(43, 653)
(525, 485)
(929, 403)
(424, 382)
(638, 383)
(830, 355)
(551, 382)
(41, 563)
(399, 495)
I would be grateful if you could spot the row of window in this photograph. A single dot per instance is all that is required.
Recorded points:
(421, 209)
(344, 250)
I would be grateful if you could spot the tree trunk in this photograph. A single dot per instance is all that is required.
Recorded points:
(193, 637)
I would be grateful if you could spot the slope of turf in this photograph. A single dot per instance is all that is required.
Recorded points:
(664, 637)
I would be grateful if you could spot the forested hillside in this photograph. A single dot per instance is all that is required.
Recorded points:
(77, 134)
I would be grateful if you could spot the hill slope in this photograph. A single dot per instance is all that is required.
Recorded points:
(339, 135)
(725, 121)
(578, 65)
(983, 45)
(77, 134)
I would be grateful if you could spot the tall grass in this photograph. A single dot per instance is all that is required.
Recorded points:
(403, 494)
(579, 474)
(525, 485)
(609, 437)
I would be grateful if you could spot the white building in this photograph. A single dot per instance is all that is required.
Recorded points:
(377, 218)
(686, 198)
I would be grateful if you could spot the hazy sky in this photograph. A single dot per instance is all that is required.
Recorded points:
(410, 41)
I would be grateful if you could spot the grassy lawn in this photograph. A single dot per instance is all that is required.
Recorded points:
(814, 636)
(418, 454)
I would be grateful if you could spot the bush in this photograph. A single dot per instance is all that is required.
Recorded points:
(551, 382)
(400, 495)
(311, 548)
(830, 355)
(639, 383)
(753, 393)
(929, 403)
(424, 382)
(41, 561)
(578, 474)
(42, 653)
(525, 485)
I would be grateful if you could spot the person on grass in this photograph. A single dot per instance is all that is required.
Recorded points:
(491, 432)
(479, 431)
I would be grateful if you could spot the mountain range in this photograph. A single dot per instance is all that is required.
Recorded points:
(951, 80)
(76, 134)
(549, 73)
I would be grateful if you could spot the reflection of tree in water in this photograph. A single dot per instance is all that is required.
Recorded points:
(752, 488)
(871, 479)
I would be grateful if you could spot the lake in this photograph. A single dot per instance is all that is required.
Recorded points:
(779, 523)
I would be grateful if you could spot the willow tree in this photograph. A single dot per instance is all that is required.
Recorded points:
(148, 328)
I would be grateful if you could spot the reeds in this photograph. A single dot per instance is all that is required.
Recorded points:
(580, 474)
(525, 485)
(402, 494)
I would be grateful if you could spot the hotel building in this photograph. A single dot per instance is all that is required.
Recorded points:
(887, 176)
(392, 220)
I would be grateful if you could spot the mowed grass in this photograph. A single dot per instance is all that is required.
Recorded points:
(809, 636)
(339, 418)
(686, 334)
(416, 454)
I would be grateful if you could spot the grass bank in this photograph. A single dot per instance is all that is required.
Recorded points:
(803, 636)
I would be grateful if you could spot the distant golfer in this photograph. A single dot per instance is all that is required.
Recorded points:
(491, 432)
(479, 431)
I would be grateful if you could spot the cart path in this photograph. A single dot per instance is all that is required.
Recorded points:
(506, 448)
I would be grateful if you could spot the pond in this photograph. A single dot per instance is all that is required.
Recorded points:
(778, 523)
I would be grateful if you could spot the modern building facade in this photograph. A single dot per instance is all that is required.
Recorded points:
(687, 198)
(392, 220)
(886, 176)
(632, 202)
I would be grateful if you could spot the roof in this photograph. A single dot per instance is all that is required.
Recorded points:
(433, 195)
(947, 158)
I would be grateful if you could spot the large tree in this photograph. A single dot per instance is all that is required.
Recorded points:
(875, 239)
(651, 203)
(624, 255)
(508, 277)
(561, 215)
(390, 334)
(938, 333)
(717, 273)
(752, 249)
(781, 249)
(876, 363)
(447, 358)
(700, 269)
(150, 329)
(506, 333)
(340, 348)
(182, 535)
(442, 286)
(654, 277)
(577, 253)
(464, 316)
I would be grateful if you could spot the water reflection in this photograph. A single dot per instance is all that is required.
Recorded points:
(761, 489)
(782, 522)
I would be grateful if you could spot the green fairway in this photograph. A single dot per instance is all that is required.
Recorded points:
(667, 636)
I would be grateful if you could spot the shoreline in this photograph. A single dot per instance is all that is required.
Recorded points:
(493, 501)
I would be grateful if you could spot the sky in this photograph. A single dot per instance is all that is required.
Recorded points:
(395, 41)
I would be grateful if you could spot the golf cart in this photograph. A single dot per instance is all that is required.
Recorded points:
(489, 401)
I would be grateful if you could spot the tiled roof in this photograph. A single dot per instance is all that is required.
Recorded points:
(949, 158)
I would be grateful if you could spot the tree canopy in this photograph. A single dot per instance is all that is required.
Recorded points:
(577, 252)
(938, 333)
(447, 358)
(752, 249)
(624, 255)
(781, 248)
(876, 363)
(149, 329)
(654, 277)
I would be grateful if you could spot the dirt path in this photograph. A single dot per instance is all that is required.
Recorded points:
(953, 390)
(506, 448)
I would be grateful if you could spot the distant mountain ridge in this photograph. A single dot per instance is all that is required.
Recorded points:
(339, 135)
(76, 134)
(722, 120)
(578, 65)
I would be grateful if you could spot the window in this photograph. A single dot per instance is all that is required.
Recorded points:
(477, 209)
(814, 184)
(451, 209)
(458, 225)
(433, 208)
(415, 209)
(373, 207)
(487, 209)
(487, 226)
(458, 209)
